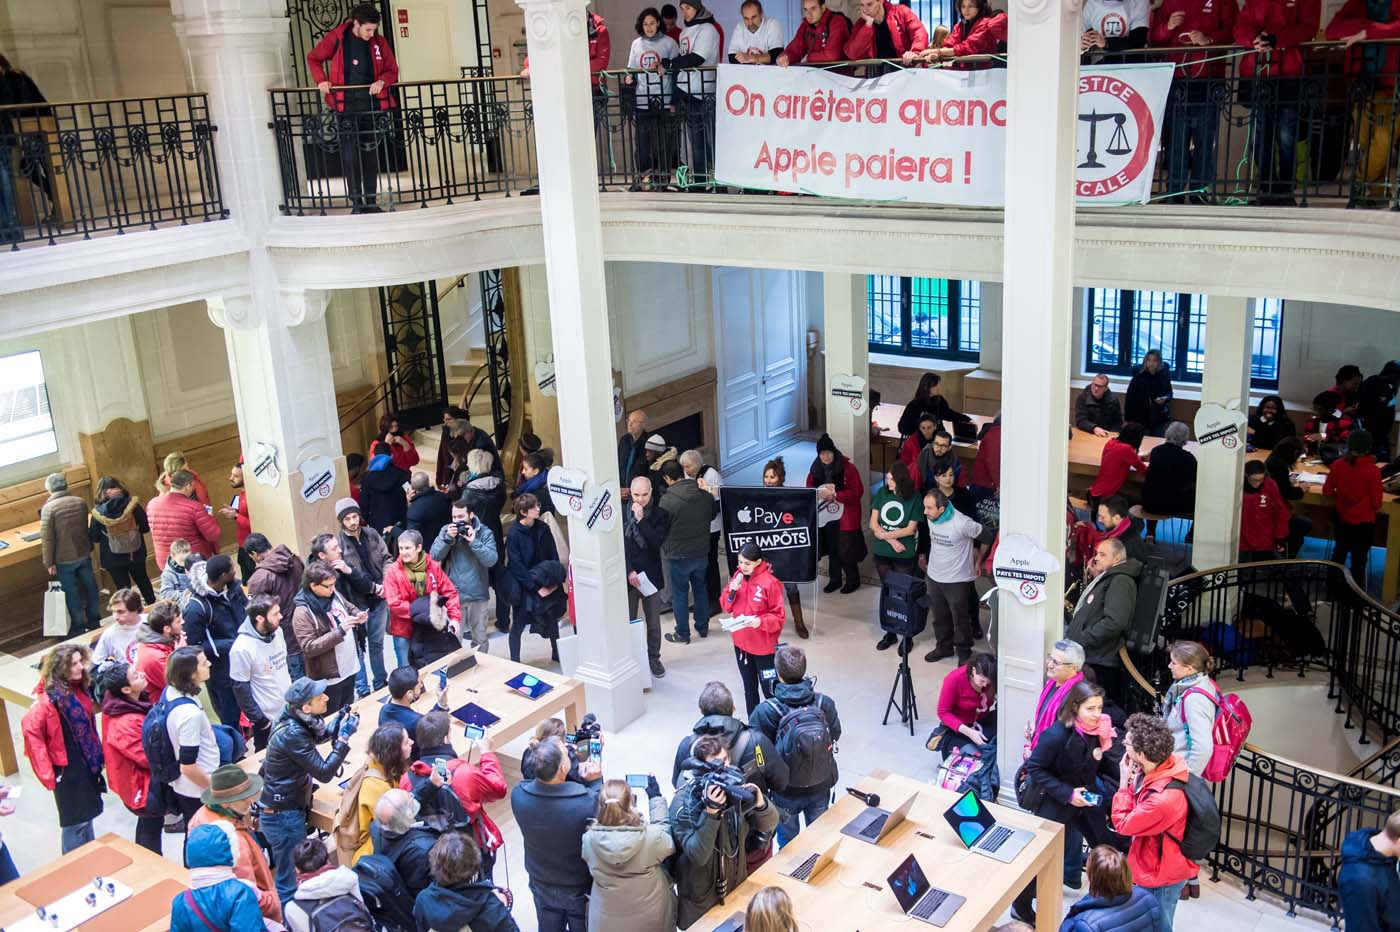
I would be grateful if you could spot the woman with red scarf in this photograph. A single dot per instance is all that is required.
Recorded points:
(62, 742)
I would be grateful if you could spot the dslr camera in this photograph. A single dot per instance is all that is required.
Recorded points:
(728, 778)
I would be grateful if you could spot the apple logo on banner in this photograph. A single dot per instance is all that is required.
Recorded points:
(744, 514)
(600, 504)
(1021, 568)
(1221, 427)
(850, 391)
(566, 488)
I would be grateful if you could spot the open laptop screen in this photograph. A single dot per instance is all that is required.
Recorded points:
(908, 883)
(969, 818)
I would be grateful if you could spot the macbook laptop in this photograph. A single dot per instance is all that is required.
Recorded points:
(920, 899)
(735, 923)
(976, 828)
(805, 867)
(874, 824)
(964, 432)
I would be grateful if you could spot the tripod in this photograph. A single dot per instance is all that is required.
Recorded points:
(903, 685)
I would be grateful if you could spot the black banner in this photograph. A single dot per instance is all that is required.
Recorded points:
(781, 521)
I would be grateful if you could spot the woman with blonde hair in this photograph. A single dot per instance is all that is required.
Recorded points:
(770, 910)
(1189, 708)
(174, 462)
(631, 890)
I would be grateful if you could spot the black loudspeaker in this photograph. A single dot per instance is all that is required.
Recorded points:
(903, 605)
(1141, 636)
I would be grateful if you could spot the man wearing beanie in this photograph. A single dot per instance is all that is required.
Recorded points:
(657, 454)
(364, 549)
(1354, 482)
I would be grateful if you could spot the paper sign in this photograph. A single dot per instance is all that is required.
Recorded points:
(1221, 427)
(317, 478)
(850, 390)
(600, 504)
(617, 405)
(544, 377)
(829, 511)
(566, 487)
(264, 463)
(1021, 567)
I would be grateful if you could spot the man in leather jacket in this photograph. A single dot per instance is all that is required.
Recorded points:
(291, 763)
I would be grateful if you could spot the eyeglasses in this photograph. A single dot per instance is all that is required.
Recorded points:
(1050, 658)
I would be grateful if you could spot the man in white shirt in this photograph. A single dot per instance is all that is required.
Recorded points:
(191, 734)
(118, 640)
(949, 555)
(257, 667)
(758, 39)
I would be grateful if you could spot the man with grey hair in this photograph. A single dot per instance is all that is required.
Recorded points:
(1104, 612)
(1097, 410)
(67, 552)
(644, 529)
(1170, 486)
(1063, 666)
(397, 834)
(428, 508)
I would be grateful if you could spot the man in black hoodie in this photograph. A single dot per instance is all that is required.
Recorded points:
(1367, 883)
(749, 749)
(213, 615)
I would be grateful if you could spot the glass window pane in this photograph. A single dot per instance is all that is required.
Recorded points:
(882, 298)
(1196, 336)
(1268, 325)
(1154, 326)
(928, 313)
(970, 317)
(1103, 326)
(26, 424)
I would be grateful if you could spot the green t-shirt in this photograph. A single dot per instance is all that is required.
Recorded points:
(894, 513)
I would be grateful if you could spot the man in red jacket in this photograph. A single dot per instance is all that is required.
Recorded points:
(237, 512)
(1275, 29)
(362, 70)
(1193, 117)
(886, 30)
(174, 515)
(821, 37)
(1152, 811)
(1263, 516)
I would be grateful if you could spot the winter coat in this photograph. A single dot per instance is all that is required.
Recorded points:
(292, 761)
(371, 561)
(642, 540)
(383, 501)
(197, 489)
(707, 850)
(486, 496)
(631, 453)
(1104, 612)
(173, 516)
(1263, 518)
(399, 593)
(1290, 22)
(749, 749)
(278, 576)
(174, 581)
(318, 639)
(229, 904)
(329, 51)
(474, 785)
(786, 697)
(538, 486)
(1155, 816)
(1368, 886)
(468, 565)
(427, 513)
(986, 469)
(473, 905)
(1135, 911)
(959, 704)
(1215, 20)
(1117, 461)
(63, 529)
(759, 594)
(691, 509)
(1191, 719)
(906, 33)
(1091, 412)
(848, 495)
(1170, 486)
(1140, 405)
(249, 863)
(552, 819)
(1064, 759)
(43, 740)
(824, 42)
(120, 522)
(981, 36)
(631, 889)
(408, 850)
(526, 548)
(128, 771)
(1379, 63)
(461, 446)
(152, 654)
(1355, 489)
(333, 883)
(212, 621)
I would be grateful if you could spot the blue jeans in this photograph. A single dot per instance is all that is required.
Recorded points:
(688, 579)
(401, 652)
(374, 636)
(791, 809)
(1167, 898)
(284, 831)
(72, 836)
(78, 582)
(8, 871)
(296, 666)
(560, 909)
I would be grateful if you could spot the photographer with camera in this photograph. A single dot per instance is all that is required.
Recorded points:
(553, 813)
(467, 550)
(711, 819)
(288, 768)
(582, 769)
(751, 751)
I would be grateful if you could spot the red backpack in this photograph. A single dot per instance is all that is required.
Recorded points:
(1230, 732)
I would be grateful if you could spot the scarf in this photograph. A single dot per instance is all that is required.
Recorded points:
(532, 485)
(314, 722)
(417, 573)
(1048, 705)
(78, 717)
(320, 606)
(631, 527)
(201, 877)
(1105, 733)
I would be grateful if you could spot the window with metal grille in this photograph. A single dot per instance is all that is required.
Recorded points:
(26, 424)
(1124, 324)
(935, 317)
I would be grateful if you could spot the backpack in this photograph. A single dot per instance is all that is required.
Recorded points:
(384, 893)
(345, 827)
(156, 744)
(805, 745)
(123, 536)
(1202, 819)
(1231, 730)
(342, 913)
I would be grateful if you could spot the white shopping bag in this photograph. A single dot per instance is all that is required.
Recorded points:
(55, 612)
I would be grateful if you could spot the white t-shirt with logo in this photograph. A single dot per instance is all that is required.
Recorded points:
(188, 726)
(702, 39)
(118, 643)
(1114, 19)
(646, 54)
(262, 665)
(768, 36)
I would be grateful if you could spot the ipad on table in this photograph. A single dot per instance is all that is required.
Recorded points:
(529, 685)
(473, 714)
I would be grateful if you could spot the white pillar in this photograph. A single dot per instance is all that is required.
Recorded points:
(1035, 344)
(1220, 472)
(847, 353)
(557, 36)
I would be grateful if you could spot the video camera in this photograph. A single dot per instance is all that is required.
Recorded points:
(587, 741)
(731, 780)
(904, 605)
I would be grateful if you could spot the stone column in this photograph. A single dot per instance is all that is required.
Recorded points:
(847, 353)
(1220, 472)
(557, 36)
(1035, 344)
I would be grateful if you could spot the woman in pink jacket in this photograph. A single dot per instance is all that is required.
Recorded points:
(755, 594)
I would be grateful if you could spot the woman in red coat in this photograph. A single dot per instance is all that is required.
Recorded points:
(980, 31)
(1271, 85)
(414, 575)
(401, 448)
(1354, 482)
(62, 742)
(755, 594)
(1263, 516)
(838, 485)
(124, 708)
(914, 444)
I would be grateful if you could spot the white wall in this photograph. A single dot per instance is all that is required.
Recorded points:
(1319, 338)
(661, 321)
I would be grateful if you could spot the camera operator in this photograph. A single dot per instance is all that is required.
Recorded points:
(749, 749)
(290, 765)
(553, 813)
(711, 818)
(582, 769)
(467, 550)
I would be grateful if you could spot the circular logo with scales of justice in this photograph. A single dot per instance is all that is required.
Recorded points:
(1116, 130)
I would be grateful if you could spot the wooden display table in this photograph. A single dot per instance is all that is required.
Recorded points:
(484, 684)
(18, 549)
(154, 879)
(851, 894)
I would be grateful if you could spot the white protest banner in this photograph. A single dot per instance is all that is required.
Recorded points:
(849, 389)
(566, 488)
(1021, 568)
(1221, 427)
(930, 136)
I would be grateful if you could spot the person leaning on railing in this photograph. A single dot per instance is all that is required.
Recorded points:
(1112, 26)
(886, 30)
(819, 39)
(653, 89)
(699, 44)
(980, 31)
(1377, 66)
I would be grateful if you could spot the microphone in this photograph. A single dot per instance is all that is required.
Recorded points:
(870, 799)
